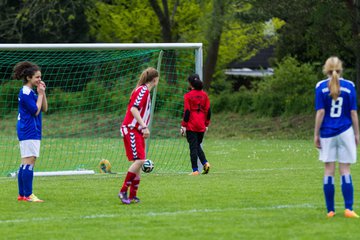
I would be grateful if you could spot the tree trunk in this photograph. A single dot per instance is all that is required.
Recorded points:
(210, 62)
(214, 35)
(169, 57)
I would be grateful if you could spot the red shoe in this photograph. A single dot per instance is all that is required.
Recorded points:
(21, 198)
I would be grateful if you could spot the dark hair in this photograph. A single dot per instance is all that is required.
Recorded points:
(195, 82)
(22, 70)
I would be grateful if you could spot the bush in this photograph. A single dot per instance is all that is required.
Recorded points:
(289, 91)
(240, 102)
(9, 92)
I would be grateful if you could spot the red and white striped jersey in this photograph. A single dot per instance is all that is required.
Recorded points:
(140, 98)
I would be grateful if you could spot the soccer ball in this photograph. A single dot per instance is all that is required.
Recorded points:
(105, 166)
(148, 166)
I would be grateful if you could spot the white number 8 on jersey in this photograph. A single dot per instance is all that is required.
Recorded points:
(336, 107)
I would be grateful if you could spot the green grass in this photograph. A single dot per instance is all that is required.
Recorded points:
(257, 189)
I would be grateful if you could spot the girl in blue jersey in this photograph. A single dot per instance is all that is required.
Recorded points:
(336, 132)
(29, 125)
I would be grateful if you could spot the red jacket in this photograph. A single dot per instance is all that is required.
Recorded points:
(196, 111)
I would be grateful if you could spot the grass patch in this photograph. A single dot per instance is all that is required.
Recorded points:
(256, 189)
(234, 125)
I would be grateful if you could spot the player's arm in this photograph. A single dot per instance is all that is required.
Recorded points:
(208, 112)
(186, 115)
(44, 106)
(136, 113)
(318, 121)
(355, 124)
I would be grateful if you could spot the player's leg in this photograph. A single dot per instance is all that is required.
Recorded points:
(135, 150)
(201, 154)
(347, 190)
(328, 155)
(329, 188)
(347, 156)
(193, 146)
(20, 183)
(30, 150)
(136, 181)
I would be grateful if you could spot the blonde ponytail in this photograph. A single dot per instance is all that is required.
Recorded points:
(334, 85)
(333, 69)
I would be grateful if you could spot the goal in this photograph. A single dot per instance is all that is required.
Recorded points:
(88, 89)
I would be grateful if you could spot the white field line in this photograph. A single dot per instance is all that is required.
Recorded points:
(155, 214)
(212, 172)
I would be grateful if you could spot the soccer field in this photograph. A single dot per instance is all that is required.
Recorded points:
(256, 189)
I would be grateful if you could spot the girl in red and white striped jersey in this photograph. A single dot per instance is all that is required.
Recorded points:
(196, 121)
(134, 131)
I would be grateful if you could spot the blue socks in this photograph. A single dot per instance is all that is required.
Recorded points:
(347, 191)
(329, 192)
(20, 181)
(27, 179)
(346, 188)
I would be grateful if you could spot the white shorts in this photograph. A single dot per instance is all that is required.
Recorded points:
(341, 148)
(29, 148)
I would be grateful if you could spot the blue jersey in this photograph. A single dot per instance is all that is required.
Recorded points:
(28, 125)
(337, 118)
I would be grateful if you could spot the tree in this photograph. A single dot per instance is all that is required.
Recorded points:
(234, 35)
(214, 23)
(44, 21)
(214, 35)
(315, 30)
(354, 9)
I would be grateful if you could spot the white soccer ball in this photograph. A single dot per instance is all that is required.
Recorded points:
(148, 166)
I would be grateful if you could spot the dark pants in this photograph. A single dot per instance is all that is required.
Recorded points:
(195, 139)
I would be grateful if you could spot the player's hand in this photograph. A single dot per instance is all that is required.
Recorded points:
(145, 132)
(206, 129)
(43, 84)
(357, 140)
(317, 142)
(183, 131)
(41, 89)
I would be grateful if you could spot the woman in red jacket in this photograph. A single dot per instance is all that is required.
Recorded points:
(195, 122)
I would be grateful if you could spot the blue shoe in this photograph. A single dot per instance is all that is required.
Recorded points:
(123, 197)
(135, 200)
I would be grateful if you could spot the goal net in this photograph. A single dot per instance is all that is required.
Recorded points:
(88, 89)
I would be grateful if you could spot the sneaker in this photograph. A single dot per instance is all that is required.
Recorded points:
(194, 173)
(330, 214)
(123, 197)
(206, 168)
(32, 198)
(135, 200)
(350, 214)
(21, 198)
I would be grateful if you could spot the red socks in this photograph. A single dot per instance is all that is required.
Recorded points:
(134, 187)
(127, 182)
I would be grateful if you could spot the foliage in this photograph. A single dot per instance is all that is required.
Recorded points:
(289, 91)
(123, 21)
(238, 102)
(44, 21)
(9, 92)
